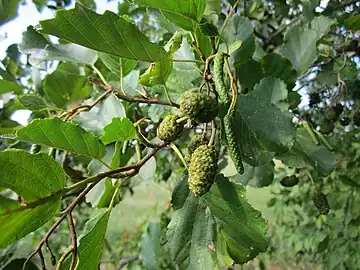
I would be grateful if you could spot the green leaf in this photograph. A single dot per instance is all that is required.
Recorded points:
(242, 226)
(240, 28)
(40, 49)
(260, 176)
(118, 66)
(353, 23)
(108, 192)
(157, 73)
(294, 99)
(8, 10)
(183, 74)
(87, 3)
(100, 196)
(306, 154)
(191, 231)
(120, 129)
(203, 42)
(8, 126)
(262, 129)
(53, 132)
(17, 225)
(32, 102)
(150, 246)
(9, 86)
(106, 33)
(249, 73)
(174, 43)
(32, 177)
(212, 7)
(271, 89)
(218, 229)
(91, 241)
(300, 43)
(185, 14)
(63, 86)
(276, 66)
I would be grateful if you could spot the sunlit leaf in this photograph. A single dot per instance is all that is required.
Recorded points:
(8, 10)
(300, 43)
(120, 129)
(53, 132)
(9, 86)
(185, 13)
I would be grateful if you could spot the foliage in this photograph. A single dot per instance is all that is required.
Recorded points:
(118, 98)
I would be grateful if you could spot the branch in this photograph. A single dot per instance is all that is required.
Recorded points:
(52, 256)
(131, 99)
(63, 258)
(73, 241)
(125, 261)
(70, 207)
(69, 115)
(130, 170)
(126, 171)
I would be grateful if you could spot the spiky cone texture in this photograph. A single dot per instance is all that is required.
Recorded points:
(321, 203)
(198, 106)
(233, 146)
(169, 130)
(202, 169)
(194, 143)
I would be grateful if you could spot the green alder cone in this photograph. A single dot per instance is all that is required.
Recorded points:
(330, 114)
(202, 169)
(356, 118)
(289, 181)
(233, 147)
(321, 203)
(326, 126)
(198, 106)
(169, 130)
(224, 96)
(195, 142)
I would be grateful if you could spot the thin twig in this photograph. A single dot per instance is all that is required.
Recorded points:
(129, 170)
(42, 260)
(99, 74)
(73, 240)
(179, 154)
(70, 207)
(125, 261)
(279, 31)
(233, 86)
(88, 107)
(52, 256)
(131, 99)
(188, 61)
(63, 258)
(226, 21)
